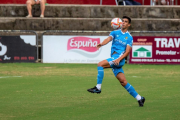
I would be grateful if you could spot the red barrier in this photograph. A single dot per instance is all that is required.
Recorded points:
(92, 2)
(95, 2)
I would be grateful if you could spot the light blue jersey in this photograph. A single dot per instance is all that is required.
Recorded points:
(120, 41)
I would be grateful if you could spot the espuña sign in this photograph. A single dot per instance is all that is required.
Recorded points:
(83, 43)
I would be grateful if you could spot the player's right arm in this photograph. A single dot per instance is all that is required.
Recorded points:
(107, 40)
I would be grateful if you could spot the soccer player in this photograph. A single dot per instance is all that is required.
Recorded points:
(121, 47)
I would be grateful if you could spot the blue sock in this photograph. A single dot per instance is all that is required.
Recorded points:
(131, 90)
(100, 75)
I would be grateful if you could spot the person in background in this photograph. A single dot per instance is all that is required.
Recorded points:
(32, 2)
(161, 2)
(129, 2)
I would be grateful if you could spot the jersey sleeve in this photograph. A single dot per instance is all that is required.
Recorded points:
(130, 41)
(112, 34)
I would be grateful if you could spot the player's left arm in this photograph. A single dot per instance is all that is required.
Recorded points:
(128, 50)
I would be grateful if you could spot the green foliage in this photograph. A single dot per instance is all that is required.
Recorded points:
(59, 92)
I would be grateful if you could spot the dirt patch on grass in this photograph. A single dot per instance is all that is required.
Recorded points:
(47, 67)
(49, 71)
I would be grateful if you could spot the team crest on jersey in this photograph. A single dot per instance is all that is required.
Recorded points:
(126, 38)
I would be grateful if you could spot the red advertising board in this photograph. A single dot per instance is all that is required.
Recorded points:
(92, 2)
(155, 50)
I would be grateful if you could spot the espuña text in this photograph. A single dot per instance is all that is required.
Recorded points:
(79, 44)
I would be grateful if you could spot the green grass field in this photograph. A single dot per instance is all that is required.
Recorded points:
(59, 92)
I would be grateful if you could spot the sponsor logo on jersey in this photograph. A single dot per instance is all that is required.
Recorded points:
(121, 42)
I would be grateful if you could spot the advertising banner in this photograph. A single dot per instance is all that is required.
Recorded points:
(18, 48)
(155, 50)
(74, 49)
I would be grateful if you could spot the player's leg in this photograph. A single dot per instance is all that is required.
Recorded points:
(121, 77)
(42, 3)
(29, 4)
(108, 63)
(101, 65)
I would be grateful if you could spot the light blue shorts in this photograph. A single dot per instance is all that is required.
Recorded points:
(116, 68)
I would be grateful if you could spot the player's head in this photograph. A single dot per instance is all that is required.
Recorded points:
(126, 22)
(129, 19)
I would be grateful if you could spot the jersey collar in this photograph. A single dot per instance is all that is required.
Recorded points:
(123, 33)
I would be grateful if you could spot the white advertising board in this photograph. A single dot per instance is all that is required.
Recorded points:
(74, 49)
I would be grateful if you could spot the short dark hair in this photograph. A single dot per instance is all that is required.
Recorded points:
(129, 19)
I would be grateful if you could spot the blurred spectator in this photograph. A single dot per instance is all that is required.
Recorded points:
(32, 2)
(161, 2)
(129, 2)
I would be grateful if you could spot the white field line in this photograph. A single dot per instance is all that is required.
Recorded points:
(9, 76)
(134, 76)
